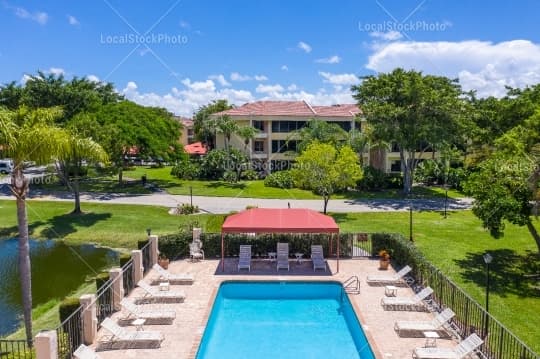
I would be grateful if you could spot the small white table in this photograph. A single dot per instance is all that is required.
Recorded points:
(431, 339)
(299, 256)
(272, 256)
(164, 286)
(390, 291)
(138, 323)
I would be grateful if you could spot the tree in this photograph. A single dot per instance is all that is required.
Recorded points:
(506, 186)
(321, 131)
(79, 150)
(412, 110)
(324, 169)
(29, 135)
(226, 126)
(204, 125)
(247, 133)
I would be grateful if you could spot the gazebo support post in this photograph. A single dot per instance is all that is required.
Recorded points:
(222, 254)
(338, 253)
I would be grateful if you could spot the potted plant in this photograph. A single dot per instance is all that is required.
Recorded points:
(163, 261)
(384, 259)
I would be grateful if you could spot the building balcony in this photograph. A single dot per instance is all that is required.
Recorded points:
(261, 135)
(259, 155)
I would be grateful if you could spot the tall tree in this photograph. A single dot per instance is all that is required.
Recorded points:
(204, 125)
(227, 127)
(320, 131)
(29, 135)
(247, 133)
(324, 169)
(412, 110)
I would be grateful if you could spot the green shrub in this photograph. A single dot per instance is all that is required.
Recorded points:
(186, 208)
(373, 179)
(67, 307)
(175, 246)
(403, 251)
(280, 179)
(230, 176)
(249, 175)
(186, 170)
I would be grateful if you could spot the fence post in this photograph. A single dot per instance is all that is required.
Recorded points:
(154, 249)
(115, 274)
(138, 269)
(89, 318)
(46, 344)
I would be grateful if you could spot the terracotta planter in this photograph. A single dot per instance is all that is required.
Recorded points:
(164, 263)
(384, 263)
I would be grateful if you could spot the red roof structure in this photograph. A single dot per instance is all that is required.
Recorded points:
(277, 220)
(291, 108)
(196, 148)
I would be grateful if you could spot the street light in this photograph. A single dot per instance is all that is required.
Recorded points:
(148, 231)
(410, 220)
(487, 259)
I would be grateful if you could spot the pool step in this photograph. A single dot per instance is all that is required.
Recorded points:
(352, 285)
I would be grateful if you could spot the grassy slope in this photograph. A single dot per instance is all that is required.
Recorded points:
(456, 245)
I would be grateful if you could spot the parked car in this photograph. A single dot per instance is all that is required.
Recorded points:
(6, 166)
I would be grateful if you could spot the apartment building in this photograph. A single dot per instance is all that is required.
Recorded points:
(274, 145)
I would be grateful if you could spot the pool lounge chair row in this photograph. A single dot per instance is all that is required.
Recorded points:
(317, 257)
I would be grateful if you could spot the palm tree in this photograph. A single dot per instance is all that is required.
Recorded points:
(321, 131)
(247, 133)
(79, 149)
(29, 135)
(227, 126)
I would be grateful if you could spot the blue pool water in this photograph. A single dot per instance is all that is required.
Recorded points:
(283, 320)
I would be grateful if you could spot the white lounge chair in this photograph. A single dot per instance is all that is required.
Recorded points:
(388, 279)
(124, 339)
(175, 279)
(414, 327)
(463, 349)
(283, 256)
(195, 251)
(151, 317)
(154, 295)
(407, 303)
(244, 260)
(84, 352)
(317, 257)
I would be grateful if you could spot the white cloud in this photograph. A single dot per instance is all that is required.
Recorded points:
(93, 78)
(292, 87)
(304, 47)
(25, 79)
(57, 71)
(269, 88)
(339, 79)
(221, 79)
(480, 65)
(199, 86)
(284, 68)
(235, 76)
(38, 16)
(391, 35)
(260, 78)
(72, 20)
(329, 60)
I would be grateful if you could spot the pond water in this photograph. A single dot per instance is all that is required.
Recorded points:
(57, 270)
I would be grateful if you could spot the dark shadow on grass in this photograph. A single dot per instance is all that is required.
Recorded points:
(510, 272)
(217, 184)
(63, 225)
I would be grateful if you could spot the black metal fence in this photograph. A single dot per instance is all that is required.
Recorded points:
(104, 301)
(15, 349)
(146, 257)
(360, 245)
(127, 277)
(70, 334)
(471, 317)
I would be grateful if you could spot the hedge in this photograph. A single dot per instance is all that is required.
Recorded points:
(175, 246)
(67, 307)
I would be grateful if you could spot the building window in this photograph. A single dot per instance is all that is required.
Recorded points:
(282, 146)
(395, 166)
(345, 126)
(395, 147)
(287, 126)
(258, 146)
(259, 125)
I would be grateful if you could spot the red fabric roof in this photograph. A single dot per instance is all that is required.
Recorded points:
(196, 148)
(287, 220)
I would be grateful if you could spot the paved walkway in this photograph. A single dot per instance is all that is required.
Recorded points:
(227, 204)
(182, 338)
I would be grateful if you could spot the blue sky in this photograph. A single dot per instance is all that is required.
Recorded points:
(197, 51)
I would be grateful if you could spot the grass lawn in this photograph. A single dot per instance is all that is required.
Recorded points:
(116, 226)
(256, 189)
(456, 246)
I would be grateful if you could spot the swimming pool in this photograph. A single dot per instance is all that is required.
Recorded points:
(283, 320)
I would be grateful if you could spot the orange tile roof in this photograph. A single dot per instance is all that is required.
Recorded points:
(291, 108)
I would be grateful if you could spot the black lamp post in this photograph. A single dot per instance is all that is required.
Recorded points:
(148, 231)
(487, 259)
(410, 220)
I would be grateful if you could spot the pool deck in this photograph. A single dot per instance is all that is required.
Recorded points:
(183, 336)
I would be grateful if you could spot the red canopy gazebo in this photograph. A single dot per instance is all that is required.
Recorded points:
(276, 220)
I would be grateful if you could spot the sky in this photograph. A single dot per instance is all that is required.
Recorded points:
(182, 54)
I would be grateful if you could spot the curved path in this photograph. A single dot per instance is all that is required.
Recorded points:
(227, 204)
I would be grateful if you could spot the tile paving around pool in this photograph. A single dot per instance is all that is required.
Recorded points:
(183, 336)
